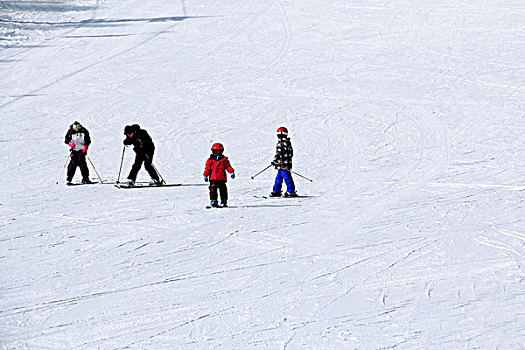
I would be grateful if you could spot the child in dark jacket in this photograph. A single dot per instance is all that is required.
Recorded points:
(215, 172)
(77, 137)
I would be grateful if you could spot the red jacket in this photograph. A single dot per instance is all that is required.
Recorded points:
(216, 168)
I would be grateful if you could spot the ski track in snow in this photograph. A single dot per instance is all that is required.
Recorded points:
(409, 117)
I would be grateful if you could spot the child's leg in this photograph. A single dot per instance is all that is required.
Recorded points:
(223, 191)
(290, 185)
(278, 182)
(213, 190)
(84, 167)
(72, 167)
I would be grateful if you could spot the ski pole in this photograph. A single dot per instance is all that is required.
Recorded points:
(121, 161)
(156, 170)
(67, 160)
(95, 170)
(304, 177)
(262, 171)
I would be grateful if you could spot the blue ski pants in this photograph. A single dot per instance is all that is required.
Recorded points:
(287, 177)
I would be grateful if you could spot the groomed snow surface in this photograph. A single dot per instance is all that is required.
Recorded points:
(408, 115)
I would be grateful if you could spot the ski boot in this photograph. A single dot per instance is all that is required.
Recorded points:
(87, 182)
(290, 194)
(224, 204)
(275, 194)
(69, 183)
(155, 183)
(130, 183)
(214, 204)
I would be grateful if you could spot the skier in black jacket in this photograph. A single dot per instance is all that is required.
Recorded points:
(144, 149)
(77, 137)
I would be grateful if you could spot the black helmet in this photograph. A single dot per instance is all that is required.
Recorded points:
(130, 129)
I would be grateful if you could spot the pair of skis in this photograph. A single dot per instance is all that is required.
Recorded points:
(124, 186)
(82, 184)
(282, 197)
(262, 197)
(216, 207)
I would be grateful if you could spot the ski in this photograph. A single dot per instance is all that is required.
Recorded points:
(123, 186)
(210, 207)
(282, 197)
(80, 184)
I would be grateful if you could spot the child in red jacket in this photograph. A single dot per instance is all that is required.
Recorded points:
(215, 172)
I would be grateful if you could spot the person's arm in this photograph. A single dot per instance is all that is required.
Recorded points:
(128, 141)
(68, 137)
(228, 166)
(278, 152)
(207, 170)
(87, 138)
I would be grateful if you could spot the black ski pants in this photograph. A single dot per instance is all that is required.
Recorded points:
(78, 159)
(219, 185)
(147, 159)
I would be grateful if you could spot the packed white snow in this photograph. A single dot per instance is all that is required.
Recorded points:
(408, 115)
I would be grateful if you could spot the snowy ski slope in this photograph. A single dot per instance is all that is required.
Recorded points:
(408, 115)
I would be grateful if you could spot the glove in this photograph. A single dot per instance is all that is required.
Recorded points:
(205, 179)
(274, 163)
(84, 149)
(72, 144)
(233, 176)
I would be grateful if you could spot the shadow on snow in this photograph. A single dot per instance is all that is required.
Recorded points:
(42, 6)
(34, 25)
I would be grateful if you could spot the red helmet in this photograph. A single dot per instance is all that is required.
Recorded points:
(282, 132)
(217, 148)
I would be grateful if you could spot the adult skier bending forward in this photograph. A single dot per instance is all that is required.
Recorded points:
(283, 163)
(144, 149)
(77, 137)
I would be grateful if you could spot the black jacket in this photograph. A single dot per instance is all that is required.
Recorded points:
(72, 135)
(141, 141)
(284, 153)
